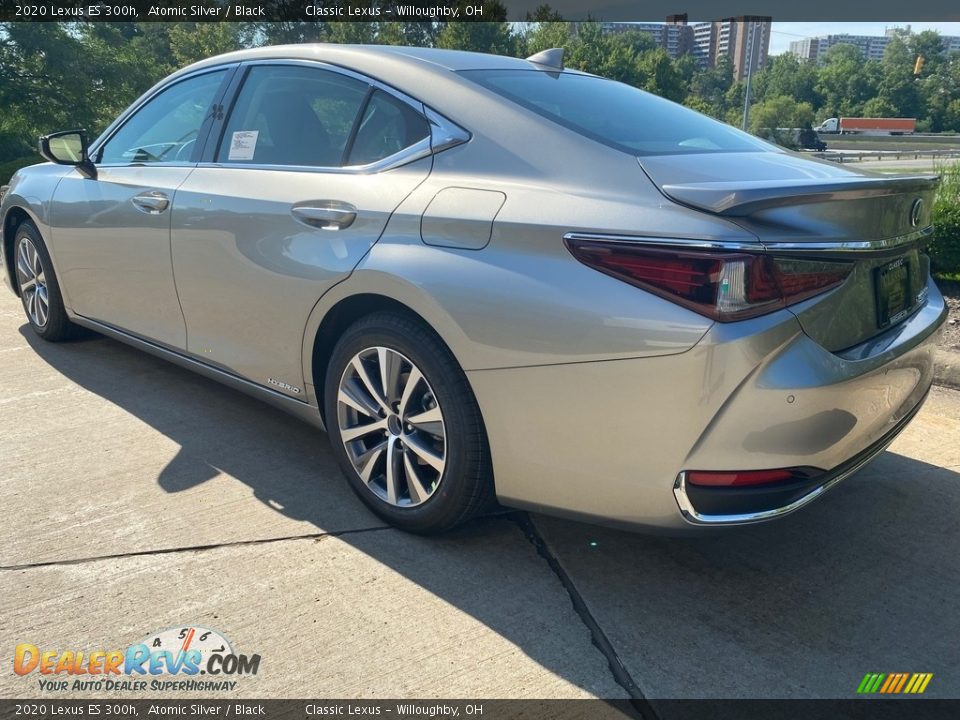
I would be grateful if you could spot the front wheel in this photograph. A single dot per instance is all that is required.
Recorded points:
(405, 426)
(39, 289)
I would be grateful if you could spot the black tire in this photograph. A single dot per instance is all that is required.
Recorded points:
(465, 486)
(55, 325)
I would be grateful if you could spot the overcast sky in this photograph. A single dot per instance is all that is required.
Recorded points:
(783, 33)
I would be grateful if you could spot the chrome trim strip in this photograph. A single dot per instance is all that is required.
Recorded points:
(444, 133)
(693, 517)
(298, 408)
(417, 151)
(688, 243)
(861, 246)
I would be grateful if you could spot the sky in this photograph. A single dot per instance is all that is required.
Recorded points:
(783, 33)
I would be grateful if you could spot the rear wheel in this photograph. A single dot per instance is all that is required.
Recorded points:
(39, 289)
(405, 426)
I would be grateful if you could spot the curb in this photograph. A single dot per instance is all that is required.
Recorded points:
(946, 369)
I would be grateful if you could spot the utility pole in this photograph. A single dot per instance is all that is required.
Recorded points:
(746, 100)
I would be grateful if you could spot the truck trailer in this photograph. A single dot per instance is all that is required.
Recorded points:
(868, 126)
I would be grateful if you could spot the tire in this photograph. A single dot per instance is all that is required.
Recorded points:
(442, 473)
(38, 286)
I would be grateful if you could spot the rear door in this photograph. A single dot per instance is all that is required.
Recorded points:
(310, 164)
(111, 235)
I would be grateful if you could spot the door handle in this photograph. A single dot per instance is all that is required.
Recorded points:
(153, 202)
(326, 215)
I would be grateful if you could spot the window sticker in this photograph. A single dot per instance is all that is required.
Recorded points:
(243, 144)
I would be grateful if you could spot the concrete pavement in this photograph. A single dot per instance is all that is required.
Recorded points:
(136, 496)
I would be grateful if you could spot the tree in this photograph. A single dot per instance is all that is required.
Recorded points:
(190, 42)
(787, 75)
(898, 89)
(546, 35)
(660, 76)
(780, 112)
(710, 87)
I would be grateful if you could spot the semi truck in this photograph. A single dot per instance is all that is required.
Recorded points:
(868, 126)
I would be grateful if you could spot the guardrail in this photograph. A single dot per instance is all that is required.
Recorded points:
(845, 157)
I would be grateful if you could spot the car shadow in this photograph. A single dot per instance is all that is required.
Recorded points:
(864, 581)
(288, 466)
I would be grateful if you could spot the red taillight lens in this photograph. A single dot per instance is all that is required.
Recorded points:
(724, 286)
(741, 478)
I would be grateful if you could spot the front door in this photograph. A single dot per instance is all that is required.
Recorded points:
(111, 235)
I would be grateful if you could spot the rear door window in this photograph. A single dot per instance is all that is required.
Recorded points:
(292, 115)
(388, 126)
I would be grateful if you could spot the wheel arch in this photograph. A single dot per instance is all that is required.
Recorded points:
(14, 218)
(360, 296)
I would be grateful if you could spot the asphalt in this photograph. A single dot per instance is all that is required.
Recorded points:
(137, 496)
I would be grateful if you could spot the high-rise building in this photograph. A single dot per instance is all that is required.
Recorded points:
(745, 40)
(674, 37)
(871, 47)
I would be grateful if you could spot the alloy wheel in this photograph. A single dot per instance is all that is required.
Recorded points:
(33, 282)
(391, 426)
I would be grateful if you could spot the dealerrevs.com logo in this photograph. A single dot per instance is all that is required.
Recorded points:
(172, 659)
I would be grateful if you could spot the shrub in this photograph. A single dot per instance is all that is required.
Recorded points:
(945, 248)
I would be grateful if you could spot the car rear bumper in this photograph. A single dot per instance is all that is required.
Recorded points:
(609, 441)
(727, 506)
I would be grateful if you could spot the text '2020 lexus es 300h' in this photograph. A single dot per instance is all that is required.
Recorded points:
(495, 279)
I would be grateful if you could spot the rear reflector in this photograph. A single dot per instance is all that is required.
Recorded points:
(741, 478)
(724, 286)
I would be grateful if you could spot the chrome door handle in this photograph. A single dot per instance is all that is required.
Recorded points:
(153, 202)
(326, 215)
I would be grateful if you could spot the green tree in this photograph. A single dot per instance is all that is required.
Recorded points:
(710, 87)
(846, 81)
(781, 111)
(898, 91)
(190, 42)
(787, 75)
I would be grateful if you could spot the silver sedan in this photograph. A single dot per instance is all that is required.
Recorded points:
(492, 279)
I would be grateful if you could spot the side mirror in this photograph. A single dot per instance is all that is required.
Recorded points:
(68, 148)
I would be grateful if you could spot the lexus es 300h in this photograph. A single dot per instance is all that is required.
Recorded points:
(495, 279)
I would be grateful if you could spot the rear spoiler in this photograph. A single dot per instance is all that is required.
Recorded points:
(734, 198)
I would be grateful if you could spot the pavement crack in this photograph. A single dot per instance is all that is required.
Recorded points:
(193, 548)
(597, 635)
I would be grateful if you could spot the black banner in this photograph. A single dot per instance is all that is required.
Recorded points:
(854, 709)
(468, 10)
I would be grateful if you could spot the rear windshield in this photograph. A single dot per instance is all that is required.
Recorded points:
(615, 114)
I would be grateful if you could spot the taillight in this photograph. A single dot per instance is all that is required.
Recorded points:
(724, 286)
(744, 478)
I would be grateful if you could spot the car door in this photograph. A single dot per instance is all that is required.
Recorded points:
(111, 234)
(310, 164)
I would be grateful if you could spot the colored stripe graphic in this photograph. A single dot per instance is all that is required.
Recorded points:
(894, 683)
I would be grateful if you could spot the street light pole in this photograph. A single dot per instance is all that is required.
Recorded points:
(746, 99)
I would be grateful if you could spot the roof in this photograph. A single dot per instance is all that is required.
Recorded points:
(356, 56)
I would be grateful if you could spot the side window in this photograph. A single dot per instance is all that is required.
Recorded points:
(166, 128)
(388, 126)
(289, 115)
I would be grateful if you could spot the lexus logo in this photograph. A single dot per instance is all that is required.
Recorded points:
(916, 212)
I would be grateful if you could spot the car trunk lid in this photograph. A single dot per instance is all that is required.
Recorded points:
(807, 208)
